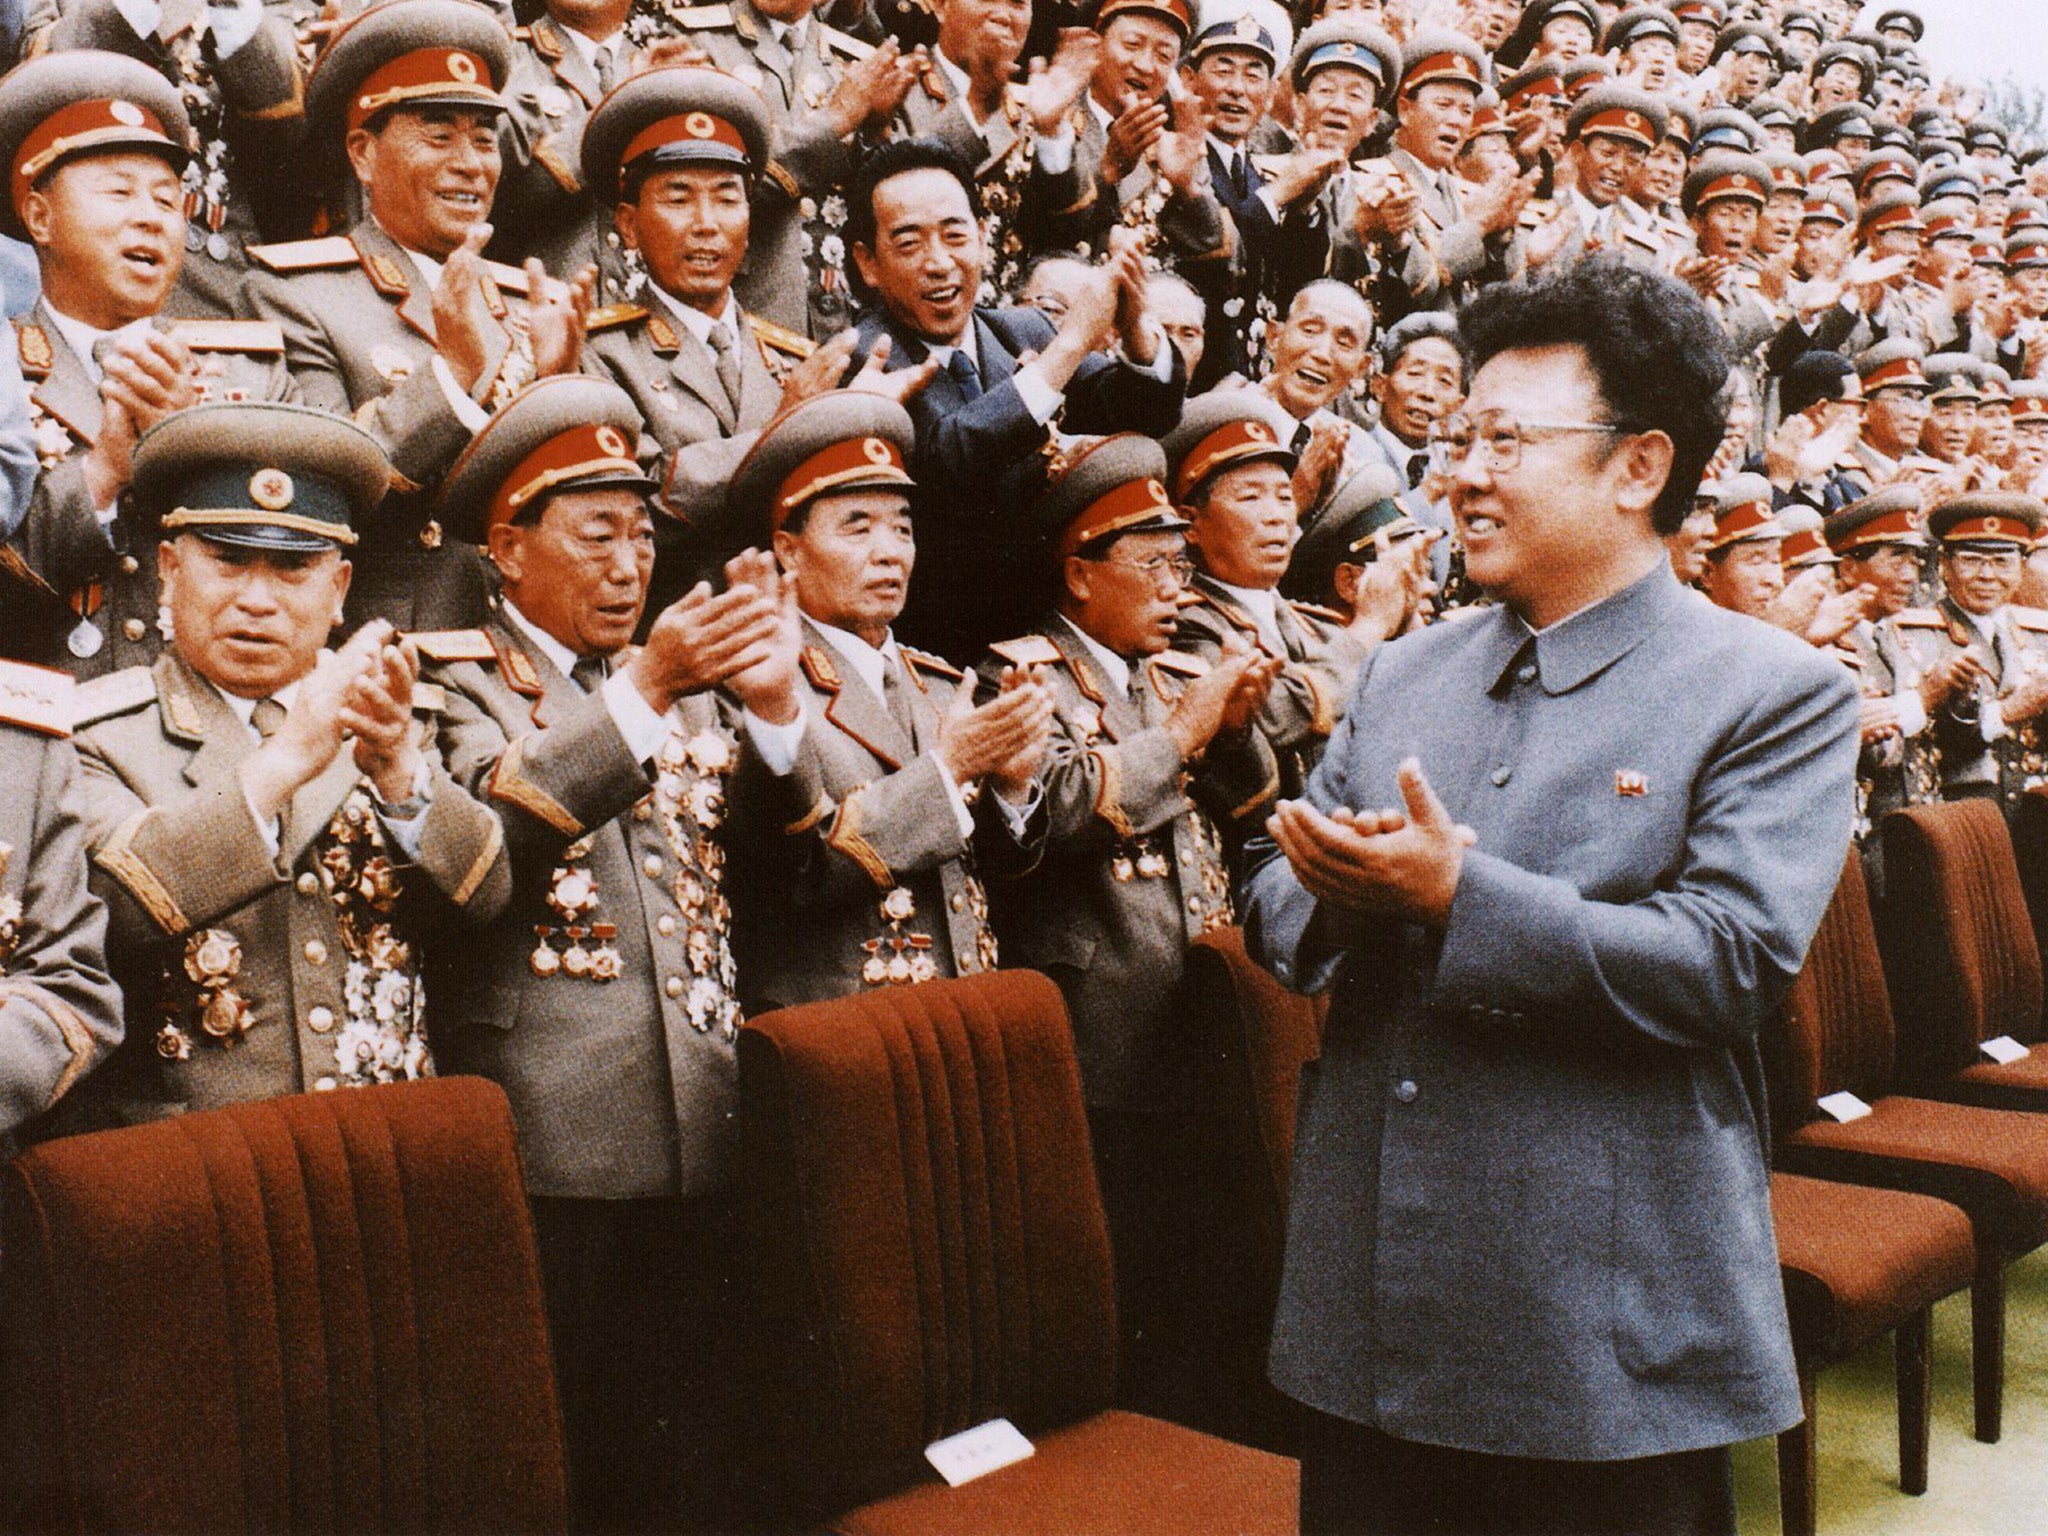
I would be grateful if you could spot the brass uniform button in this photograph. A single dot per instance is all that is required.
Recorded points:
(320, 1020)
(316, 952)
(652, 865)
(325, 1085)
(307, 884)
(134, 629)
(130, 565)
(665, 924)
(673, 986)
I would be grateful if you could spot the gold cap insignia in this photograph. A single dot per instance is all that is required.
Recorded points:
(125, 112)
(462, 67)
(699, 125)
(877, 451)
(271, 489)
(612, 441)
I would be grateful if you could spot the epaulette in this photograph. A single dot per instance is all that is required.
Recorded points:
(2034, 620)
(32, 342)
(780, 338)
(1918, 618)
(512, 278)
(1028, 651)
(37, 698)
(701, 18)
(846, 43)
(429, 698)
(1317, 611)
(819, 669)
(1181, 662)
(305, 255)
(662, 334)
(611, 316)
(230, 335)
(117, 693)
(925, 661)
(454, 645)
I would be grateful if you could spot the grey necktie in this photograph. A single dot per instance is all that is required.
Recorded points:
(589, 673)
(267, 717)
(895, 696)
(727, 362)
(607, 68)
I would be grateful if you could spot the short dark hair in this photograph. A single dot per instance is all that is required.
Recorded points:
(1812, 378)
(896, 158)
(1656, 353)
(1420, 326)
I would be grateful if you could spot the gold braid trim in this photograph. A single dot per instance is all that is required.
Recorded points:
(1270, 789)
(844, 838)
(77, 1038)
(1109, 791)
(1324, 720)
(509, 783)
(811, 818)
(483, 863)
(119, 859)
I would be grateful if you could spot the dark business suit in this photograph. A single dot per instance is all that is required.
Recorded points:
(983, 567)
(1529, 1215)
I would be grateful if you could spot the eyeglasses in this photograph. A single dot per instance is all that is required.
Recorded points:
(1155, 568)
(1970, 562)
(1500, 437)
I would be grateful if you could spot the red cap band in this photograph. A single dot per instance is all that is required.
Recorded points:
(80, 126)
(856, 461)
(1134, 502)
(1901, 370)
(1908, 524)
(1245, 439)
(684, 128)
(1621, 123)
(580, 451)
(423, 72)
(1441, 66)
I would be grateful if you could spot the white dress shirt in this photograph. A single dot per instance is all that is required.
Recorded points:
(695, 321)
(1263, 604)
(1114, 666)
(460, 401)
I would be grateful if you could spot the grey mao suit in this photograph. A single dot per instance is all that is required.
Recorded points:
(1529, 1214)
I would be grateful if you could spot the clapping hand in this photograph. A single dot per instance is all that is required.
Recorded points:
(376, 708)
(767, 687)
(1388, 863)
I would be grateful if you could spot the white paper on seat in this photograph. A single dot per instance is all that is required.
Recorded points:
(977, 1452)
(2004, 1050)
(1843, 1106)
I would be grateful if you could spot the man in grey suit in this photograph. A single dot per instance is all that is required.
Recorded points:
(1530, 1280)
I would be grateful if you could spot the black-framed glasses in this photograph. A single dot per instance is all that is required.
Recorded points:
(1499, 438)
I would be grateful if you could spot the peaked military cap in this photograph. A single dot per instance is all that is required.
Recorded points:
(1851, 120)
(1952, 376)
(1895, 364)
(1788, 171)
(839, 441)
(2026, 250)
(1949, 218)
(1108, 488)
(1890, 209)
(1843, 52)
(1829, 203)
(1243, 33)
(1345, 42)
(1586, 74)
(60, 106)
(1742, 512)
(1729, 128)
(1681, 122)
(1985, 134)
(260, 475)
(1883, 165)
(1890, 517)
(1539, 82)
(1901, 18)
(675, 116)
(1451, 57)
(1618, 112)
(407, 53)
(1720, 178)
(1747, 37)
(1174, 13)
(1636, 23)
(1805, 542)
(562, 433)
(1951, 178)
(1361, 516)
(1799, 19)
(2030, 400)
(1222, 429)
(1987, 517)
(1772, 112)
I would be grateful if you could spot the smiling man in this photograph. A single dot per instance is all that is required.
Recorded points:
(1530, 1282)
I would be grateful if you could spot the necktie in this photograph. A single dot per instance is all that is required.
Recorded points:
(266, 717)
(1418, 466)
(588, 673)
(727, 362)
(965, 374)
(607, 70)
(1240, 185)
(1301, 436)
(896, 698)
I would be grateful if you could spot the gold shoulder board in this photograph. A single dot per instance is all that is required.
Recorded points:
(611, 316)
(845, 43)
(1181, 662)
(819, 669)
(118, 693)
(305, 255)
(2034, 620)
(925, 661)
(454, 645)
(1318, 611)
(1028, 651)
(230, 335)
(1918, 618)
(33, 343)
(702, 18)
(37, 698)
(781, 339)
(513, 279)
(429, 698)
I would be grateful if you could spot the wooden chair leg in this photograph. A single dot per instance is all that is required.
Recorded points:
(1916, 1397)
(1798, 1472)
(1987, 1342)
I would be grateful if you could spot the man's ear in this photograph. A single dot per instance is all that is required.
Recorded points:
(38, 217)
(1644, 465)
(864, 262)
(626, 220)
(361, 145)
(1345, 580)
(507, 549)
(1079, 575)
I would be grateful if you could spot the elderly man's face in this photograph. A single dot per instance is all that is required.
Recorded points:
(1245, 526)
(1337, 108)
(1433, 120)
(250, 621)
(1425, 385)
(1319, 351)
(984, 36)
(1138, 54)
(1180, 313)
(852, 558)
(580, 569)
(1236, 87)
(1892, 419)
(1747, 577)
(928, 255)
(1982, 578)
(1889, 572)
(431, 174)
(110, 234)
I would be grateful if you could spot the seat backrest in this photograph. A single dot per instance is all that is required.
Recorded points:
(1835, 1030)
(1959, 951)
(924, 1214)
(2030, 854)
(317, 1313)
(1261, 1036)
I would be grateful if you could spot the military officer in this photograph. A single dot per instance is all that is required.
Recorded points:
(400, 322)
(1745, 572)
(1151, 751)
(604, 1000)
(1233, 480)
(1368, 551)
(828, 95)
(1983, 658)
(1608, 134)
(1895, 410)
(60, 1013)
(269, 884)
(237, 70)
(863, 867)
(676, 152)
(1880, 542)
(105, 212)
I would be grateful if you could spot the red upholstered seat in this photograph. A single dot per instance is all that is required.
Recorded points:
(1859, 1261)
(933, 1255)
(312, 1313)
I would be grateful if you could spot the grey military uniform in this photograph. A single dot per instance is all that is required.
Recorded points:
(250, 974)
(1441, 262)
(603, 1000)
(2013, 758)
(1189, 228)
(60, 1013)
(1321, 662)
(1133, 869)
(855, 872)
(358, 325)
(1898, 772)
(89, 589)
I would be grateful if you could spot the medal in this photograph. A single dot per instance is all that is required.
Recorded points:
(85, 640)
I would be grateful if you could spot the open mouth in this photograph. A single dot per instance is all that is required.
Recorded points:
(144, 258)
(943, 297)
(470, 205)
(1313, 377)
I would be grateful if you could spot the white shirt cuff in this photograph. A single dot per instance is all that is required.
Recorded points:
(1991, 720)
(269, 828)
(636, 719)
(1056, 154)
(961, 815)
(1161, 366)
(143, 15)
(1039, 397)
(233, 24)
(1912, 713)
(1272, 203)
(467, 411)
(406, 831)
(776, 745)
